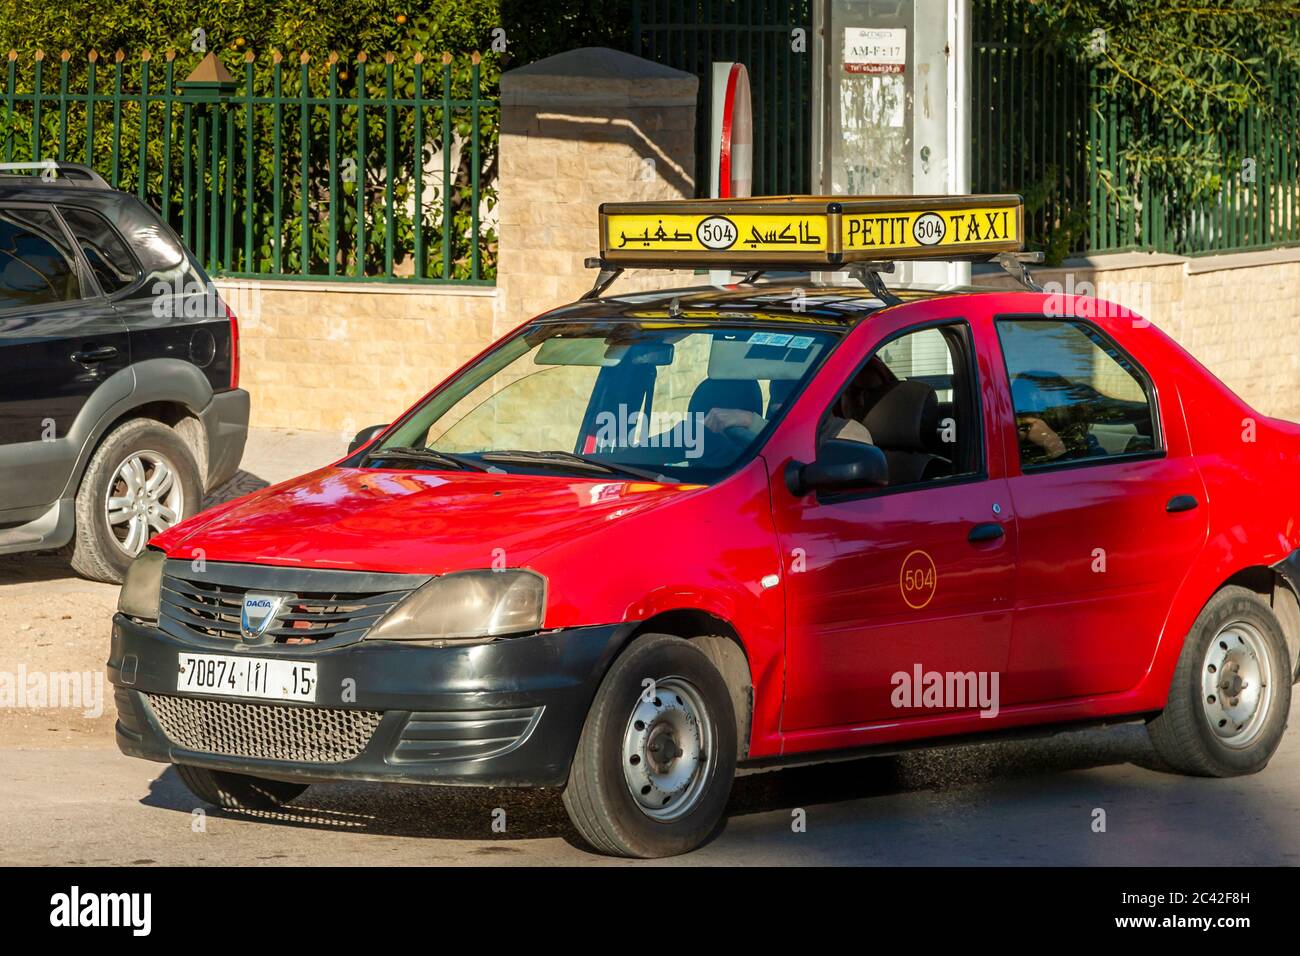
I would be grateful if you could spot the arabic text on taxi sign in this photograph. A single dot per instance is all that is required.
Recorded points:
(809, 231)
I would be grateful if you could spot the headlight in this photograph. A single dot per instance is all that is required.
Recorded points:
(143, 586)
(468, 604)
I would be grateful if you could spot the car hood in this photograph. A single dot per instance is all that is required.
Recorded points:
(410, 521)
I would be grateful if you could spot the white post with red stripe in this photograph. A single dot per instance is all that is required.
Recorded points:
(731, 140)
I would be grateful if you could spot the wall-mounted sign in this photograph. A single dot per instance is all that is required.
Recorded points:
(875, 50)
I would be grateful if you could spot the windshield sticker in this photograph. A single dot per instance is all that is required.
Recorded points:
(770, 338)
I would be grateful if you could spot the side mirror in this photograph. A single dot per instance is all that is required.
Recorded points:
(366, 436)
(841, 465)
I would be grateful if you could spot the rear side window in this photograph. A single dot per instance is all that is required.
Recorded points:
(105, 250)
(37, 264)
(1076, 396)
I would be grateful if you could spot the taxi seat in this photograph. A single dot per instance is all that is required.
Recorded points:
(779, 392)
(712, 393)
(904, 424)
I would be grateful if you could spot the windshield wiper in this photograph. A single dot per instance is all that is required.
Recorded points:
(574, 460)
(425, 454)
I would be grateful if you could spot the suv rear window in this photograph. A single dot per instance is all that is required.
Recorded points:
(37, 264)
(105, 250)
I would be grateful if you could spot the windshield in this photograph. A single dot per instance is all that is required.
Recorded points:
(674, 402)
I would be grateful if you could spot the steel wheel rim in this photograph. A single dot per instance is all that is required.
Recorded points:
(1237, 684)
(144, 497)
(667, 749)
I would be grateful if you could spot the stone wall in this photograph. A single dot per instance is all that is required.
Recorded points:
(326, 357)
(1239, 314)
(578, 129)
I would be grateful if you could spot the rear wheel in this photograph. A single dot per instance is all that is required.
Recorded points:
(655, 763)
(141, 480)
(237, 791)
(1231, 692)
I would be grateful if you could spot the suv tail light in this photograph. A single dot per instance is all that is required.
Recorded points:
(234, 347)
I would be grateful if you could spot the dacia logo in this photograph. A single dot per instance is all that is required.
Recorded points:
(260, 613)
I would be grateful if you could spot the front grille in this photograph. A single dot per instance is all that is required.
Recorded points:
(323, 605)
(464, 734)
(264, 731)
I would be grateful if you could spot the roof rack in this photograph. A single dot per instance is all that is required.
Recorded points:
(52, 171)
(864, 235)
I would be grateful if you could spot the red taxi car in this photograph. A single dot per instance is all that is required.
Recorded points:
(648, 538)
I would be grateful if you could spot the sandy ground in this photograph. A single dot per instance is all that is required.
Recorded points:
(57, 623)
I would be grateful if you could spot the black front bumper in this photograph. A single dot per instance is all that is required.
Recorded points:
(502, 714)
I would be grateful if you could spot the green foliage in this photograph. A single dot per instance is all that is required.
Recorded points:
(1067, 224)
(268, 145)
(1182, 73)
(539, 28)
(317, 27)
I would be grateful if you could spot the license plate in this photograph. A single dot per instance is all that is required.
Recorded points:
(246, 677)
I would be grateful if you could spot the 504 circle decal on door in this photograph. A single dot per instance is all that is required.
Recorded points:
(917, 579)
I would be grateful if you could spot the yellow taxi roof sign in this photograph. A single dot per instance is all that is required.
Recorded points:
(809, 231)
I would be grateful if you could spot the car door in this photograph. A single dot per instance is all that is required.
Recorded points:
(890, 585)
(1109, 503)
(60, 341)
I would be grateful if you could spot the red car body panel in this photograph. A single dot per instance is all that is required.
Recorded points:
(1071, 642)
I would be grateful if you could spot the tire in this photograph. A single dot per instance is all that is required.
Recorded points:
(97, 551)
(1235, 647)
(236, 791)
(675, 749)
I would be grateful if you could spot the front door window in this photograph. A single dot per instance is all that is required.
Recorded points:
(892, 581)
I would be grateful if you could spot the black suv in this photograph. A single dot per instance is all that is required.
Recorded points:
(119, 371)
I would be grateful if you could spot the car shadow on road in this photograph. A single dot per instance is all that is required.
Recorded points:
(240, 484)
(944, 768)
(470, 813)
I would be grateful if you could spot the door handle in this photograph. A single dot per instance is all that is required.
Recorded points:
(1181, 503)
(988, 531)
(101, 353)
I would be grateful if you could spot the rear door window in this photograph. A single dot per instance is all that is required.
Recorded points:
(37, 264)
(110, 259)
(1076, 396)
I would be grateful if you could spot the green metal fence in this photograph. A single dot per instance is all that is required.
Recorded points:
(1029, 124)
(1256, 205)
(323, 171)
(1043, 127)
(690, 34)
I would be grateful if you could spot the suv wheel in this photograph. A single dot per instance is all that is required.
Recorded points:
(237, 791)
(655, 763)
(1231, 692)
(141, 480)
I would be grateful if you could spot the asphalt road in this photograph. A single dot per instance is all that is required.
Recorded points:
(1023, 802)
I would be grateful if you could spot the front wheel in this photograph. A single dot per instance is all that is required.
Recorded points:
(1231, 692)
(657, 756)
